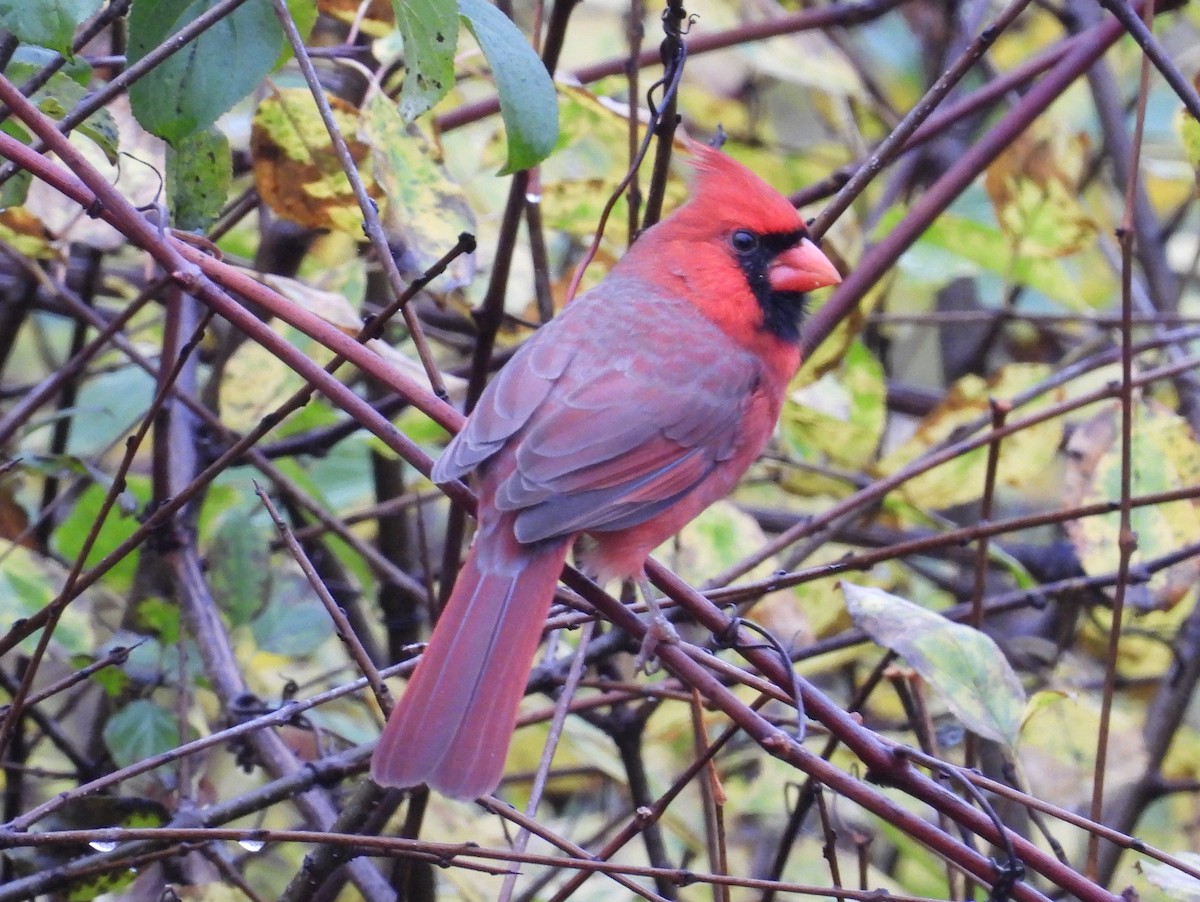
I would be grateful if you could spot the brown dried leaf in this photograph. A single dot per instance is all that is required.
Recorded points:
(295, 169)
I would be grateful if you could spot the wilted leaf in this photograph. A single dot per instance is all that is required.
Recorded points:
(199, 173)
(964, 665)
(137, 175)
(295, 168)
(716, 539)
(1034, 186)
(24, 233)
(255, 381)
(528, 103)
(1057, 752)
(430, 30)
(1165, 456)
(14, 521)
(195, 86)
(1172, 881)
(456, 386)
(331, 306)
(589, 162)
(719, 537)
(808, 58)
(1023, 455)
(426, 210)
(376, 20)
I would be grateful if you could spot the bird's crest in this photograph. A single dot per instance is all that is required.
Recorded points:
(742, 198)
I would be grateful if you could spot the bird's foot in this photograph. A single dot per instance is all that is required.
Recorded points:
(660, 631)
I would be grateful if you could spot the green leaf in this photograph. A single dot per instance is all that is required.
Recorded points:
(187, 92)
(838, 419)
(430, 31)
(528, 102)
(239, 566)
(964, 665)
(1080, 286)
(69, 536)
(293, 624)
(161, 618)
(14, 192)
(86, 814)
(50, 23)
(1189, 136)
(113, 680)
(527, 99)
(304, 15)
(27, 61)
(199, 173)
(62, 94)
(138, 731)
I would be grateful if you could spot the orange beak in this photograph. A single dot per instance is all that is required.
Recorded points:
(802, 268)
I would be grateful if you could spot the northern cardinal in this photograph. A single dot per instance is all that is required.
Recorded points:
(622, 419)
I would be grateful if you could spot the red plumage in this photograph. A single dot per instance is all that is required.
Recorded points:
(623, 418)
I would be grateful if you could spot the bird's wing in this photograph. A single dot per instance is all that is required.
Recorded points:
(601, 429)
(507, 405)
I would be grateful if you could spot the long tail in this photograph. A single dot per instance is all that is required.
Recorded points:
(452, 727)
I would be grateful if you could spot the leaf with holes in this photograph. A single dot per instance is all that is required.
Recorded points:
(199, 173)
(430, 31)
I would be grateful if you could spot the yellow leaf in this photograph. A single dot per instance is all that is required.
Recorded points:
(295, 169)
(1034, 186)
(255, 381)
(1023, 456)
(376, 20)
(426, 210)
(838, 420)
(1165, 456)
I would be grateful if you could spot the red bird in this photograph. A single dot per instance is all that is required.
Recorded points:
(623, 418)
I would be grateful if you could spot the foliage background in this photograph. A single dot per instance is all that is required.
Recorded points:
(993, 439)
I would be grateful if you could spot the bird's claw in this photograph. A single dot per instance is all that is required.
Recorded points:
(659, 632)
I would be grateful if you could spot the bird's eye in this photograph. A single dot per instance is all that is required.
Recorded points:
(743, 241)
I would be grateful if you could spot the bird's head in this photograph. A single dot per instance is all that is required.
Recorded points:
(739, 251)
